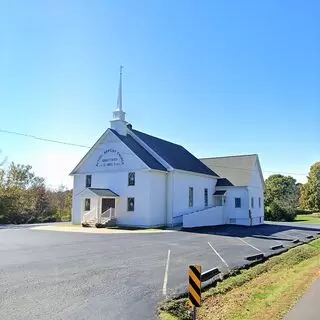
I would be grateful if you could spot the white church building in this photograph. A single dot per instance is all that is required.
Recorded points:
(130, 178)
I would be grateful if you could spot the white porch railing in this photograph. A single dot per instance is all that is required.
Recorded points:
(90, 216)
(107, 215)
(178, 220)
(210, 217)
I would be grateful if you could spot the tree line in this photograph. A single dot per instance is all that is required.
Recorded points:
(25, 198)
(284, 198)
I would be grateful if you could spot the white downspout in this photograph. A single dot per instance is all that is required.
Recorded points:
(167, 197)
(249, 208)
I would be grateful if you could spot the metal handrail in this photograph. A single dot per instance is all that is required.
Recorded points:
(203, 209)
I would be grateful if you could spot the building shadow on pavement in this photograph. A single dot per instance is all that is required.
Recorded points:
(265, 231)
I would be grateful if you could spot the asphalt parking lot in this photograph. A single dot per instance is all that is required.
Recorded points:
(64, 275)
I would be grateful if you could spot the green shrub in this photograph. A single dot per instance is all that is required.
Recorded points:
(305, 211)
(275, 212)
(49, 219)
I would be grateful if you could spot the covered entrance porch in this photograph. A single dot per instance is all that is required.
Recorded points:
(98, 207)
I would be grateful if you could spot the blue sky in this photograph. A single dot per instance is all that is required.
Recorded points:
(219, 77)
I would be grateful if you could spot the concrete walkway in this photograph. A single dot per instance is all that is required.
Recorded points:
(308, 307)
(77, 228)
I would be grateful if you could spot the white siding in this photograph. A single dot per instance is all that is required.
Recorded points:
(231, 212)
(141, 192)
(181, 181)
(157, 209)
(209, 217)
(115, 178)
(118, 183)
(256, 191)
(76, 204)
(125, 159)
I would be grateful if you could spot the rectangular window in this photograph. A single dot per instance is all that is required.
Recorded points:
(131, 179)
(87, 204)
(252, 202)
(190, 197)
(205, 197)
(237, 202)
(130, 204)
(88, 180)
(259, 202)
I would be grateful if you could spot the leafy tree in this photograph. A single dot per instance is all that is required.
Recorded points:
(24, 197)
(19, 176)
(310, 191)
(61, 203)
(283, 190)
(281, 198)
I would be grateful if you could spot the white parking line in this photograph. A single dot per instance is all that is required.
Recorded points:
(165, 281)
(306, 233)
(250, 245)
(216, 252)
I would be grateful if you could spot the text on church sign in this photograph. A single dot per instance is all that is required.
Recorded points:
(110, 158)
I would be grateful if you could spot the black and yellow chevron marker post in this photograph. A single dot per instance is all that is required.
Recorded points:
(195, 287)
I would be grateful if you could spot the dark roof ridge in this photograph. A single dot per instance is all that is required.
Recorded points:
(232, 156)
(147, 134)
(174, 154)
(140, 151)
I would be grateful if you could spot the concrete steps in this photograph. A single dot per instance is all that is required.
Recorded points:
(105, 223)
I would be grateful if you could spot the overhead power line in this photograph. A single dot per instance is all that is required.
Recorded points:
(87, 147)
(44, 139)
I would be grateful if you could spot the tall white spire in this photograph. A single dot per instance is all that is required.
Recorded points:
(119, 102)
(118, 122)
(118, 114)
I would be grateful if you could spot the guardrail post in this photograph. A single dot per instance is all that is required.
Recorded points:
(194, 313)
(195, 288)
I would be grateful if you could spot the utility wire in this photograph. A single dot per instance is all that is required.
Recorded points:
(44, 139)
(83, 146)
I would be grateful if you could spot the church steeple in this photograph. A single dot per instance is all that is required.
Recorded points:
(118, 122)
(118, 114)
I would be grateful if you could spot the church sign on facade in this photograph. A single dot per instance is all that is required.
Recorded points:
(110, 158)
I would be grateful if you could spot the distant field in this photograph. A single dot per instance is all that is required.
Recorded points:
(307, 219)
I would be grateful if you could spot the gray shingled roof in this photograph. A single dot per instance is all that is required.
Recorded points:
(223, 182)
(219, 192)
(103, 192)
(175, 155)
(141, 152)
(235, 169)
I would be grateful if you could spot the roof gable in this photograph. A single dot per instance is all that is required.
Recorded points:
(238, 170)
(113, 152)
(100, 192)
(175, 155)
(141, 152)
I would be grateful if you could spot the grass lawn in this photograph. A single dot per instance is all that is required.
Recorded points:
(307, 218)
(266, 291)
